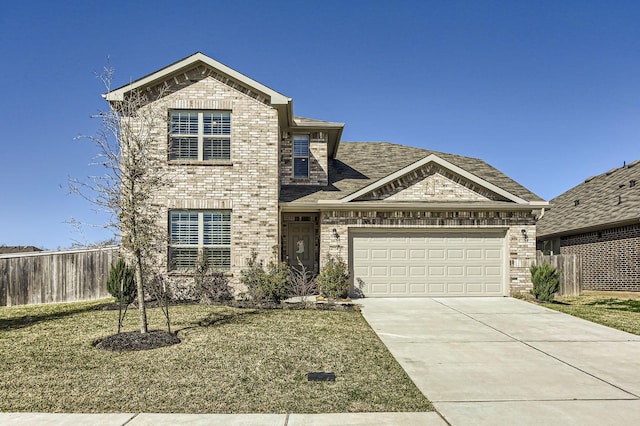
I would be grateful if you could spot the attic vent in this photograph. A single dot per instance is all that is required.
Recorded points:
(632, 183)
(576, 202)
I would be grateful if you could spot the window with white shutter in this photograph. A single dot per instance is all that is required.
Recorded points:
(192, 232)
(200, 135)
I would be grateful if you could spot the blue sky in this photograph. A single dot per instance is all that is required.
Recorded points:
(546, 91)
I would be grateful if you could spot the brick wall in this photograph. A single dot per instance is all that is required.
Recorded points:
(610, 258)
(247, 184)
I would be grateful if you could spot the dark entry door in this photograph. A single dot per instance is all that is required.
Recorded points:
(301, 245)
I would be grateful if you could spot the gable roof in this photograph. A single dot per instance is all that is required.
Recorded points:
(600, 202)
(433, 158)
(359, 165)
(189, 62)
(282, 103)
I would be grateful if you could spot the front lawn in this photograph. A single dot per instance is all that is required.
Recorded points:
(619, 310)
(229, 361)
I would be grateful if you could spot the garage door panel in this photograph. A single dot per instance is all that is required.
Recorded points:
(437, 288)
(418, 271)
(474, 254)
(436, 271)
(493, 288)
(455, 254)
(398, 288)
(380, 271)
(455, 288)
(474, 271)
(417, 254)
(475, 289)
(492, 271)
(379, 254)
(437, 254)
(361, 254)
(492, 254)
(429, 264)
(398, 254)
(399, 271)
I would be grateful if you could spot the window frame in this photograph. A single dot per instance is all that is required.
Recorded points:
(201, 138)
(219, 241)
(306, 157)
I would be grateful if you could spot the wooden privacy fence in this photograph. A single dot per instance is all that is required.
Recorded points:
(570, 268)
(60, 276)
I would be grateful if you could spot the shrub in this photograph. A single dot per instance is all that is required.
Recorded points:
(333, 281)
(121, 283)
(302, 282)
(546, 282)
(265, 286)
(210, 285)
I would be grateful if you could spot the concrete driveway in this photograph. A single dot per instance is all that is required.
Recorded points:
(502, 361)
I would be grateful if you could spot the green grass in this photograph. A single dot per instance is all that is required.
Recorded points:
(229, 361)
(614, 309)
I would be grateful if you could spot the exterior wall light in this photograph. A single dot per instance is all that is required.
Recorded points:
(524, 234)
(335, 234)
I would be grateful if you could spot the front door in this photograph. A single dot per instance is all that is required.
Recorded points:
(301, 245)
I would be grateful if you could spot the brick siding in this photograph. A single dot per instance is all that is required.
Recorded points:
(247, 184)
(610, 258)
(318, 163)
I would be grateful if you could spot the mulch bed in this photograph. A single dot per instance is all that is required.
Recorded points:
(136, 341)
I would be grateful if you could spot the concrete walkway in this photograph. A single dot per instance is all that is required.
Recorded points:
(146, 419)
(502, 361)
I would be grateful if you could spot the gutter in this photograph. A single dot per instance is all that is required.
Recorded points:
(321, 205)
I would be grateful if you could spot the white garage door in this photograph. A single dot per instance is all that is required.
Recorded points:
(402, 264)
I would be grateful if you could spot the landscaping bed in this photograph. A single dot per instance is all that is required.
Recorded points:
(228, 360)
(619, 310)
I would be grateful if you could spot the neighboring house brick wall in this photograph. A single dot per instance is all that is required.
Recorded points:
(247, 185)
(610, 258)
(522, 253)
(318, 163)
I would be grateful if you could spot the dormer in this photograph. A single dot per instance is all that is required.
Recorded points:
(305, 149)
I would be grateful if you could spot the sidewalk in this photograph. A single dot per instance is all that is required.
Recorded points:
(121, 419)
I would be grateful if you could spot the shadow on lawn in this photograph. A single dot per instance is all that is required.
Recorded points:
(221, 317)
(618, 305)
(29, 320)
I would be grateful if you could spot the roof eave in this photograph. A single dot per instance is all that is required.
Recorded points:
(116, 95)
(591, 228)
(407, 205)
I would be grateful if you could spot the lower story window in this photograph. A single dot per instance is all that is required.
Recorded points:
(194, 232)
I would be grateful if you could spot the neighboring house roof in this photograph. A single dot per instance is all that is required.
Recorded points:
(604, 201)
(18, 249)
(359, 165)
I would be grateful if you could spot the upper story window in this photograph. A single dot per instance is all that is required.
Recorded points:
(301, 156)
(200, 135)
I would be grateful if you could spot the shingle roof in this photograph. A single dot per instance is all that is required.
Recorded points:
(359, 164)
(601, 201)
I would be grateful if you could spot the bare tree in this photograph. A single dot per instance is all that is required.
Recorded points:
(131, 173)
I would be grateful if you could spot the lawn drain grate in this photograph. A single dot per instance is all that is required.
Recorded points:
(321, 377)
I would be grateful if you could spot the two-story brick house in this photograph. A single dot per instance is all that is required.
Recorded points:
(247, 174)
